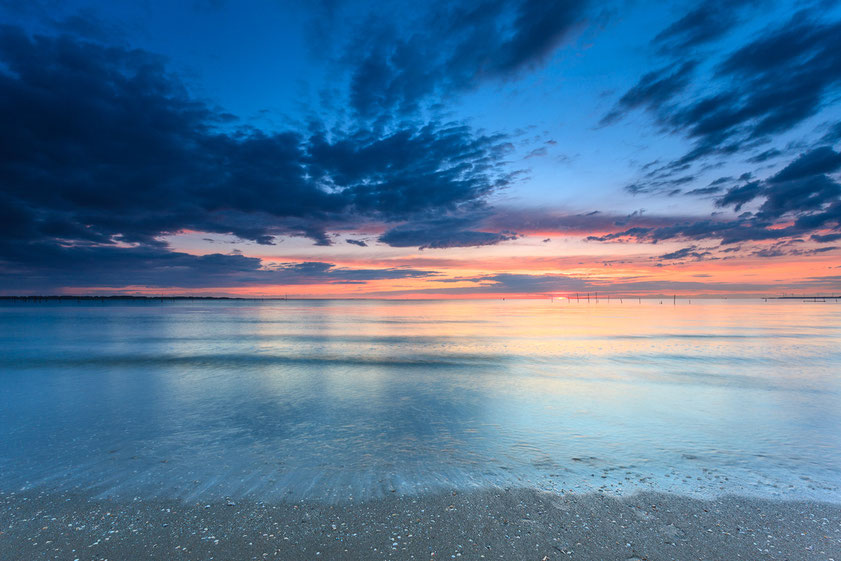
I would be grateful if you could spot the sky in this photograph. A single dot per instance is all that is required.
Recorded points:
(390, 149)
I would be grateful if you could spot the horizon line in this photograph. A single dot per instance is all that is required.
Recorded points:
(581, 297)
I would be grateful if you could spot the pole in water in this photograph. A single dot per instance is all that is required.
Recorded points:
(674, 300)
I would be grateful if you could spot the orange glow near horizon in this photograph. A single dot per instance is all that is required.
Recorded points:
(757, 276)
(523, 268)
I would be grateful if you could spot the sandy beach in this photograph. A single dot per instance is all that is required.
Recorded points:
(482, 524)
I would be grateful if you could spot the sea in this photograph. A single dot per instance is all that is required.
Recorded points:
(351, 400)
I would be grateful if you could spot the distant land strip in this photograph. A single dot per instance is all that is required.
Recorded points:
(584, 298)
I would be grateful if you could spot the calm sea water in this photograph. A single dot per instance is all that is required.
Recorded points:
(333, 400)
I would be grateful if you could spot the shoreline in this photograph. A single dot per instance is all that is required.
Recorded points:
(476, 524)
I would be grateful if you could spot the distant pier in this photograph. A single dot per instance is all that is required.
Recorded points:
(806, 298)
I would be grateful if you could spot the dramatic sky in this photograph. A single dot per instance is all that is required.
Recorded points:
(463, 148)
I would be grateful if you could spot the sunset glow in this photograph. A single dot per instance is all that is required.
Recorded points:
(352, 150)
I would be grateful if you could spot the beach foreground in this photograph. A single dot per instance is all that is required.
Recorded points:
(489, 524)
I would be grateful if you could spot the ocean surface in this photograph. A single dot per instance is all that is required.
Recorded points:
(349, 400)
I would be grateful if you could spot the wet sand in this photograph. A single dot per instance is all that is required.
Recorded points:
(487, 524)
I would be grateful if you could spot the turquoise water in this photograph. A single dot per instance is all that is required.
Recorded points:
(333, 400)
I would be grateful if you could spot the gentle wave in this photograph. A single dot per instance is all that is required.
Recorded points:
(237, 360)
(200, 399)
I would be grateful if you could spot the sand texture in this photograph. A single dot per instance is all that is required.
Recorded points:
(488, 524)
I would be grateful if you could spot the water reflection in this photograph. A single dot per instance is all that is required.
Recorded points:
(337, 399)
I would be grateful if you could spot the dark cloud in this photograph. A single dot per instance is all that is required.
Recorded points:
(100, 143)
(801, 189)
(708, 21)
(669, 186)
(800, 200)
(539, 221)
(102, 146)
(829, 216)
(801, 192)
(442, 233)
(691, 252)
(826, 238)
(721, 181)
(653, 90)
(317, 272)
(798, 196)
(636, 233)
(783, 76)
(770, 252)
(409, 171)
(726, 231)
(766, 155)
(702, 191)
(789, 248)
(360, 243)
(833, 135)
(773, 83)
(454, 47)
(42, 266)
(739, 196)
(537, 153)
(818, 161)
